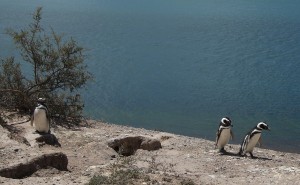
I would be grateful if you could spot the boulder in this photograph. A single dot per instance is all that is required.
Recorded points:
(40, 139)
(127, 145)
(150, 144)
(22, 170)
(49, 139)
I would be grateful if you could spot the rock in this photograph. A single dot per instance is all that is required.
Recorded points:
(49, 139)
(12, 132)
(40, 139)
(150, 144)
(127, 145)
(22, 170)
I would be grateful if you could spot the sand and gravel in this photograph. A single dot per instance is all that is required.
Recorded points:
(181, 160)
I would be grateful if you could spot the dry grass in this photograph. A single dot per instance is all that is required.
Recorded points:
(124, 172)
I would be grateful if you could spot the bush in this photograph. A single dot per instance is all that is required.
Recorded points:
(118, 177)
(2, 121)
(58, 72)
(122, 172)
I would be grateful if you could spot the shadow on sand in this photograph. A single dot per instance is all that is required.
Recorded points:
(238, 155)
(48, 138)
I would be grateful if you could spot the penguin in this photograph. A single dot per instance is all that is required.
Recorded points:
(224, 133)
(252, 138)
(40, 118)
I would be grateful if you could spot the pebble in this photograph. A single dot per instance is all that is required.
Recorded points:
(212, 176)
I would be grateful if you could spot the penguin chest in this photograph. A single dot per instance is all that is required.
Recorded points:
(41, 122)
(252, 142)
(224, 138)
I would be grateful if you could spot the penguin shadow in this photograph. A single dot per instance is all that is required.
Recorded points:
(259, 158)
(264, 158)
(47, 138)
(245, 156)
(229, 154)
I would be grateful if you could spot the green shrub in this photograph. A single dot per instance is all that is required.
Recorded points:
(58, 72)
(118, 177)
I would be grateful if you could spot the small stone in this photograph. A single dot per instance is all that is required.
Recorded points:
(87, 174)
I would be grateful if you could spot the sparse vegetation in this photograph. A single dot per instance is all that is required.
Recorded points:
(124, 172)
(58, 72)
(118, 177)
(187, 182)
(2, 121)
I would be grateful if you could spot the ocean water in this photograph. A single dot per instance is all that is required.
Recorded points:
(181, 65)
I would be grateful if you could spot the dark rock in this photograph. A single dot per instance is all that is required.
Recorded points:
(150, 144)
(49, 139)
(127, 145)
(22, 170)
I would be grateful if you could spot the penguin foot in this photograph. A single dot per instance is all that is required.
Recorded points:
(41, 133)
(223, 151)
(36, 132)
(241, 154)
(252, 156)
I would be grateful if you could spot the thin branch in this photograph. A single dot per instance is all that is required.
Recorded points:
(11, 90)
(45, 81)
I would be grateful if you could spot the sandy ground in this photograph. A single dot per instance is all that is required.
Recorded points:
(181, 160)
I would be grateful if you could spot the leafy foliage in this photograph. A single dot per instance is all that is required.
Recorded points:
(58, 72)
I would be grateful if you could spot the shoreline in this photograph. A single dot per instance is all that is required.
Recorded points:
(181, 159)
(234, 142)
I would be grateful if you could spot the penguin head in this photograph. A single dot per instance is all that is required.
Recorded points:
(226, 121)
(41, 101)
(263, 126)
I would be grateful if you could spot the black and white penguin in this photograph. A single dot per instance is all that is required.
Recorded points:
(252, 138)
(224, 133)
(40, 118)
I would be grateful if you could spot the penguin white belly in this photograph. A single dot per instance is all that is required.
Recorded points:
(224, 138)
(252, 142)
(41, 122)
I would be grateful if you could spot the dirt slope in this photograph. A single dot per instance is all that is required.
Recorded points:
(182, 160)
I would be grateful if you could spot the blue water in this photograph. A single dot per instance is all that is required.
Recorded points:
(181, 65)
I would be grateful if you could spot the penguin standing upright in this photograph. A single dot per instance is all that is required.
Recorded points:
(224, 133)
(40, 118)
(252, 138)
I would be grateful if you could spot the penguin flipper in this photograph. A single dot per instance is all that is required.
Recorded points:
(31, 120)
(49, 122)
(259, 142)
(244, 145)
(217, 138)
(48, 118)
(231, 134)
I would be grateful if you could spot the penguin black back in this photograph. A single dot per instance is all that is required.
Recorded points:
(223, 134)
(252, 138)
